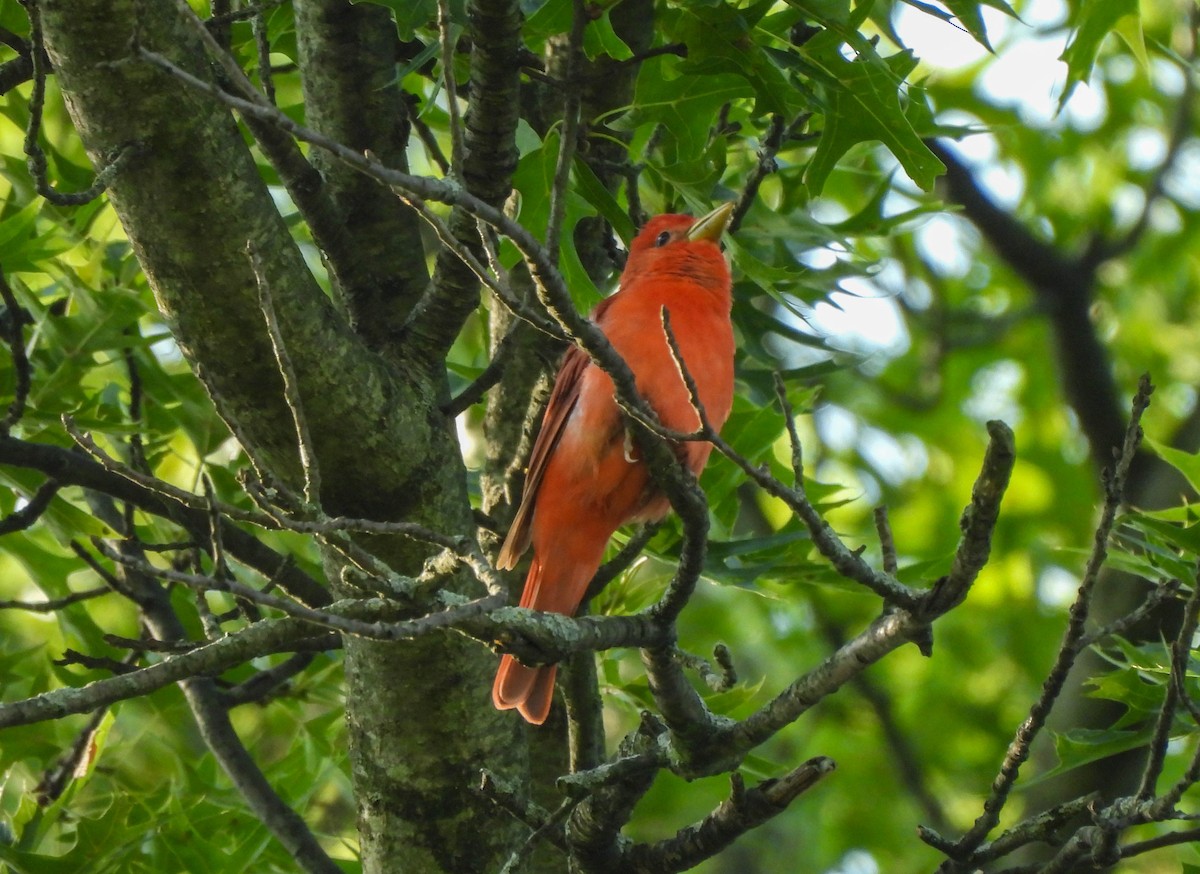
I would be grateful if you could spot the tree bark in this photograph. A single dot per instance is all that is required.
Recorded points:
(191, 203)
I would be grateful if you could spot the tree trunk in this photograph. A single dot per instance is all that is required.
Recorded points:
(191, 203)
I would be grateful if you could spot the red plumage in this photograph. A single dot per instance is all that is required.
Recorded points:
(582, 485)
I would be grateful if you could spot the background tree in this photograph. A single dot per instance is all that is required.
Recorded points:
(274, 371)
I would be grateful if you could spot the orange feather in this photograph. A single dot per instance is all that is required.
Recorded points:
(582, 484)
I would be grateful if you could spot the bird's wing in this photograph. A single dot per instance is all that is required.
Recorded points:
(563, 398)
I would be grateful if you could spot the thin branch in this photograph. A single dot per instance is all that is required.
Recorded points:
(36, 157)
(1181, 650)
(511, 800)
(1181, 130)
(291, 385)
(1018, 750)
(262, 638)
(487, 378)
(161, 488)
(446, 41)
(887, 543)
(53, 605)
(622, 560)
(896, 626)
(16, 345)
(20, 520)
(743, 811)
(262, 42)
(718, 680)
(1158, 596)
(72, 468)
(267, 682)
(778, 134)
(569, 133)
(552, 824)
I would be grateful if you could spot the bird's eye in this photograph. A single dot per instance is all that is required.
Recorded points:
(662, 239)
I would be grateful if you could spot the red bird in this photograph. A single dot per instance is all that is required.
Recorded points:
(584, 481)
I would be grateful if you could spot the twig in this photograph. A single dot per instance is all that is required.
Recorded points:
(94, 663)
(325, 618)
(1018, 750)
(622, 560)
(262, 638)
(36, 158)
(80, 754)
(847, 562)
(1181, 650)
(509, 799)
(718, 680)
(72, 468)
(291, 385)
(16, 345)
(266, 682)
(428, 139)
(243, 14)
(159, 487)
(149, 644)
(777, 135)
(887, 543)
(446, 39)
(744, 810)
(487, 378)
(1181, 130)
(553, 821)
(19, 520)
(569, 133)
(53, 605)
(1158, 596)
(262, 42)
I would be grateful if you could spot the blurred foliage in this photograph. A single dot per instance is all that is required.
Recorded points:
(900, 333)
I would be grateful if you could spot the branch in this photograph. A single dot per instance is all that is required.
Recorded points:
(20, 520)
(55, 604)
(1018, 750)
(33, 151)
(261, 638)
(742, 812)
(291, 385)
(70, 468)
(16, 345)
(897, 626)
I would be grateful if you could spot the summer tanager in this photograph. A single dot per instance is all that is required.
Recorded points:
(584, 478)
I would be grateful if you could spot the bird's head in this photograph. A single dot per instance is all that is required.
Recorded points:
(682, 246)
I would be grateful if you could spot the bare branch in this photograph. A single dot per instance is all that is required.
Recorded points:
(744, 810)
(1018, 750)
(19, 520)
(261, 638)
(53, 605)
(446, 42)
(16, 344)
(291, 385)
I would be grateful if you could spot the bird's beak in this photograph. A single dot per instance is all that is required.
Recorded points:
(712, 225)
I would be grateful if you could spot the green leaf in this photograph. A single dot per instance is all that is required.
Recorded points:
(686, 107)
(720, 39)
(1094, 22)
(1082, 746)
(600, 39)
(1187, 463)
(862, 103)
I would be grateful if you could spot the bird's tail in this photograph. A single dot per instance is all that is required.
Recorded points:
(554, 585)
(529, 690)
